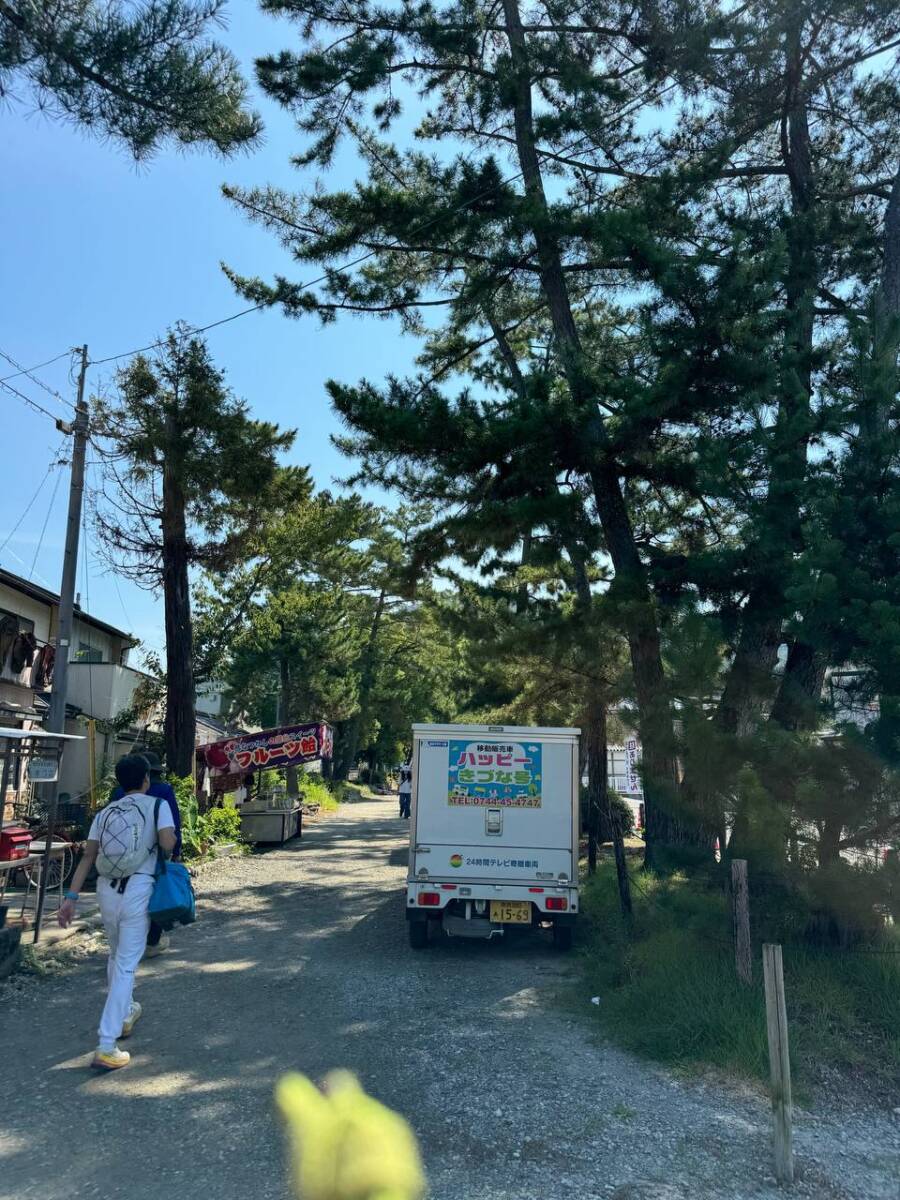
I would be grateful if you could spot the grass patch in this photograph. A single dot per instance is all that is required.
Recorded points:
(44, 962)
(315, 790)
(361, 791)
(668, 988)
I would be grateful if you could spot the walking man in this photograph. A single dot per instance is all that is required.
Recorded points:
(157, 939)
(124, 840)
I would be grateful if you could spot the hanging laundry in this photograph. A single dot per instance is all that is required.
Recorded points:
(42, 673)
(23, 652)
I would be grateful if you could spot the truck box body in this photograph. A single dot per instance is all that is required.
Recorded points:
(494, 818)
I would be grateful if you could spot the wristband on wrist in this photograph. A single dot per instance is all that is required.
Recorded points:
(71, 895)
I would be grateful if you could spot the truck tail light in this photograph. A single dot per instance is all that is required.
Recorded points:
(429, 899)
(557, 903)
(448, 887)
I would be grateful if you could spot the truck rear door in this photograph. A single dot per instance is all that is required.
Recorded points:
(494, 809)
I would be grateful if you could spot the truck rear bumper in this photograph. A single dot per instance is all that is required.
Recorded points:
(549, 902)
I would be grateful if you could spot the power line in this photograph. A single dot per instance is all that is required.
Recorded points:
(40, 544)
(31, 403)
(95, 492)
(29, 372)
(28, 507)
(194, 329)
(96, 362)
(87, 606)
(37, 367)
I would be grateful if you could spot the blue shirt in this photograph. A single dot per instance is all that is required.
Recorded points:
(164, 791)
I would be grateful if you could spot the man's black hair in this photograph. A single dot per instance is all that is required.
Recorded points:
(131, 771)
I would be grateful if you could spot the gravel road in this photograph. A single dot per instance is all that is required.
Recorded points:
(300, 960)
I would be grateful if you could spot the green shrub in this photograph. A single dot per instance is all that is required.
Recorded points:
(620, 809)
(222, 824)
(315, 790)
(668, 987)
(200, 831)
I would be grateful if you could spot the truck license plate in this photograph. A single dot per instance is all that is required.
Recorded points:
(511, 912)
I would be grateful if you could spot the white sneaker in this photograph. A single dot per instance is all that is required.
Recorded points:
(110, 1060)
(134, 1015)
(161, 946)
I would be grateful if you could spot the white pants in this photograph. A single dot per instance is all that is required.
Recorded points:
(127, 924)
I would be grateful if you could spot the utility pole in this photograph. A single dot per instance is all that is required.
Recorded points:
(56, 717)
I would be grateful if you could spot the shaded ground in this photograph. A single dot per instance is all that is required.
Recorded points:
(300, 961)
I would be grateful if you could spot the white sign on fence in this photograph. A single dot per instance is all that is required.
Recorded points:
(43, 770)
(632, 774)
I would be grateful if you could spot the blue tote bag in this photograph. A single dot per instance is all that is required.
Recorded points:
(172, 902)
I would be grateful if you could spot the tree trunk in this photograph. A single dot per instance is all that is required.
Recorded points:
(750, 680)
(342, 762)
(885, 341)
(618, 842)
(640, 620)
(597, 781)
(366, 683)
(522, 590)
(286, 716)
(797, 703)
(180, 724)
(830, 842)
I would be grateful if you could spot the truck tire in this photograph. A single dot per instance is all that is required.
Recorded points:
(562, 937)
(418, 934)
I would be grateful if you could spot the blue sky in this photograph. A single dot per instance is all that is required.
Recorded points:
(97, 250)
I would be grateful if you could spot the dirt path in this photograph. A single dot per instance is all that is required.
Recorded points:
(300, 960)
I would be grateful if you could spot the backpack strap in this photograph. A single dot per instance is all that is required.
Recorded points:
(160, 853)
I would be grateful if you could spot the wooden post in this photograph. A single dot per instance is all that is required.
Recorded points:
(740, 911)
(779, 1063)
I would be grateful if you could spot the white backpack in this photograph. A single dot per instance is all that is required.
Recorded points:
(123, 848)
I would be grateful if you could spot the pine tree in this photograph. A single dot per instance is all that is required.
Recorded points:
(692, 287)
(188, 476)
(140, 77)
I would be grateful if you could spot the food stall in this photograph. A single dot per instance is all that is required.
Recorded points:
(27, 843)
(271, 814)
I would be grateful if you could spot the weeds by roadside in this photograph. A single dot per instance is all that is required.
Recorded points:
(315, 790)
(49, 961)
(361, 791)
(668, 988)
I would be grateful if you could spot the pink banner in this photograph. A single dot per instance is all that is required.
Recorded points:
(270, 748)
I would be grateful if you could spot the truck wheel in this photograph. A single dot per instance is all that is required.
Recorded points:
(418, 934)
(562, 937)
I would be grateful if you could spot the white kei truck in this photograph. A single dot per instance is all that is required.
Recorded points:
(493, 831)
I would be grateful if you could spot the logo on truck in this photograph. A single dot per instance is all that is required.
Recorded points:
(495, 774)
(456, 860)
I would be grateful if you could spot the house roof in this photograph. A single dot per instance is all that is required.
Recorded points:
(44, 596)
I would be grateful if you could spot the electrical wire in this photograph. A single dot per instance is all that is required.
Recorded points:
(34, 379)
(85, 574)
(29, 505)
(40, 544)
(31, 403)
(194, 329)
(37, 367)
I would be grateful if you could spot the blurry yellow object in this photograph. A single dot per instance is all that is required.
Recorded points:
(347, 1146)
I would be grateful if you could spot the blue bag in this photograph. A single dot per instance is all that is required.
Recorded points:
(172, 902)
